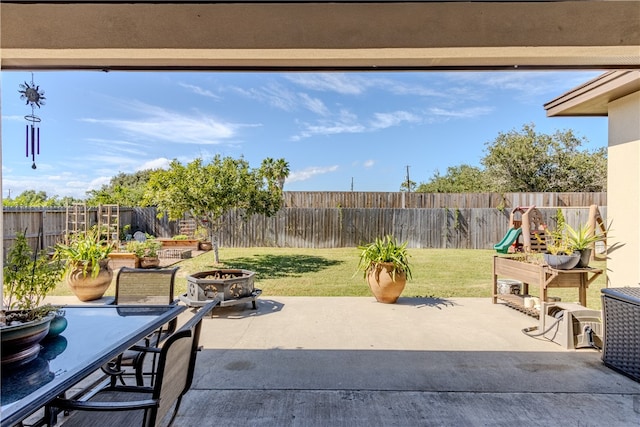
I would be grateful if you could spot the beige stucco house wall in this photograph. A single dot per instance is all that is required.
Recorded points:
(615, 94)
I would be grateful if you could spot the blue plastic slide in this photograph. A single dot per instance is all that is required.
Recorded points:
(507, 240)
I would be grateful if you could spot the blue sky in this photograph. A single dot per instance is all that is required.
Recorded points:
(335, 129)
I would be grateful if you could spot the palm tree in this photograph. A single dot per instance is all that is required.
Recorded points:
(276, 169)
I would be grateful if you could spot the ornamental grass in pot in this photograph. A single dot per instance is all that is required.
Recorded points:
(385, 264)
(583, 240)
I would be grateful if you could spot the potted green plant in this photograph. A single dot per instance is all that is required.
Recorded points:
(87, 269)
(146, 251)
(27, 278)
(559, 253)
(583, 240)
(202, 235)
(385, 264)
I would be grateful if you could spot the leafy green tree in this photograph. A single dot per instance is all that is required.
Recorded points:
(408, 186)
(458, 179)
(528, 161)
(123, 189)
(32, 198)
(209, 190)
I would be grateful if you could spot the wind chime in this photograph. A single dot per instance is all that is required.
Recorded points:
(34, 97)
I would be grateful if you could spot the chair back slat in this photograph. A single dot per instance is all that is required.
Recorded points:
(143, 286)
(175, 374)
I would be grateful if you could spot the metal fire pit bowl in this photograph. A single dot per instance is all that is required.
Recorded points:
(229, 286)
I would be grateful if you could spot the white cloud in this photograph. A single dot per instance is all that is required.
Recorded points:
(464, 113)
(527, 85)
(347, 122)
(331, 82)
(386, 120)
(200, 91)
(314, 104)
(284, 99)
(369, 163)
(310, 172)
(159, 124)
(159, 163)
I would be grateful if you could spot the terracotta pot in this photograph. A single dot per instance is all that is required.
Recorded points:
(149, 262)
(88, 288)
(381, 283)
(206, 246)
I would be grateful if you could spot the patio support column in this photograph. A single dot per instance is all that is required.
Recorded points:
(623, 190)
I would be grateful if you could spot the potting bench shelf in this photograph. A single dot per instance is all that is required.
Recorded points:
(543, 276)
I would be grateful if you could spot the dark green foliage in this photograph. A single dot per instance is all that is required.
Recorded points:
(384, 250)
(208, 190)
(527, 161)
(28, 278)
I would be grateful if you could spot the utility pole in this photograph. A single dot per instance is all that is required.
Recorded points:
(408, 181)
(351, 183)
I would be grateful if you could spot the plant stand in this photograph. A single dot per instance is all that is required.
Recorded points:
(540, 275)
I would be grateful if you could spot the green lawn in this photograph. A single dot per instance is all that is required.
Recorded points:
(332, 272)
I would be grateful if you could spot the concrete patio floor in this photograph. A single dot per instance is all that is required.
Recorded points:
(350, 361)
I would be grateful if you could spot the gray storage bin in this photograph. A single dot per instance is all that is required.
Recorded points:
(621, 319)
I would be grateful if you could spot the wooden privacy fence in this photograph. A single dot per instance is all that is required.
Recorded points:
(367, 199)
(444, 226)
(44, 227)
(472, 228)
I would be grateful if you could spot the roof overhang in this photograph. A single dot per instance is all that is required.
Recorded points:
(374, 35)
(593, 97)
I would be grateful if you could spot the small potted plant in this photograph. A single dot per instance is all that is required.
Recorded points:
(202, 234)
(582, 240)
(559, 253)
(24, 322)
(146, 251)
(385, 264)
(88, 272)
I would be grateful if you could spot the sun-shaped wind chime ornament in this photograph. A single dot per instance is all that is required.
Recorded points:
(34, 97)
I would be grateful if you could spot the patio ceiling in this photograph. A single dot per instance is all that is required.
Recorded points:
(322, 35)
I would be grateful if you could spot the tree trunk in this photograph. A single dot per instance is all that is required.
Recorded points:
(214, 241)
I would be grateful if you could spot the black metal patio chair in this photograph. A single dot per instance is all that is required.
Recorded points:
(118, 405)
(139, 286)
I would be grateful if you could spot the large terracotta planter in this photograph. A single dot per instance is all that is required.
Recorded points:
(381, 283)
(88, 288)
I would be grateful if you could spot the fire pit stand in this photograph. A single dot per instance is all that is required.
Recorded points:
(230, 286)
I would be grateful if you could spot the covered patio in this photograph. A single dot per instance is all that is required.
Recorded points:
(350, 361)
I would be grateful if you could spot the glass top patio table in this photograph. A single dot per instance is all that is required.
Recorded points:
(94, 335)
